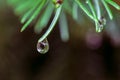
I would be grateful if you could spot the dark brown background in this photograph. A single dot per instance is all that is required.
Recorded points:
(77, 59)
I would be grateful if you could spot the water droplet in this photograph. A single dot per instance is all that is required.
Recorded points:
(101, 24)
(43, 46)
(57, 3)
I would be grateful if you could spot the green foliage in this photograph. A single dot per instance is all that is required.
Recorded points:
(29, 10)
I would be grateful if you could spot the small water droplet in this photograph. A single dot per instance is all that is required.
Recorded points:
(101, 24)
(57, 3)
(43, 46)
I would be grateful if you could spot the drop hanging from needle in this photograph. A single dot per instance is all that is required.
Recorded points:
(101, 23)
(43, 46)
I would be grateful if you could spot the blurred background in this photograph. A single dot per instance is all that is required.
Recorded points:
(86, 56)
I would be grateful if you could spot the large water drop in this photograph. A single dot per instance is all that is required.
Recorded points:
(43, 46)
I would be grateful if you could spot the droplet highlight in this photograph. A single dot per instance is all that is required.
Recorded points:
(43, 46)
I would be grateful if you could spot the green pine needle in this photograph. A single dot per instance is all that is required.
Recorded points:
(29, 10)
(35, 14)
(45, 17)
(64, 31)
(54, 21)
(108, 9)
(113, 4)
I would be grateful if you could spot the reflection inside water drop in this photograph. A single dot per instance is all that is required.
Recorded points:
(43, 46)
